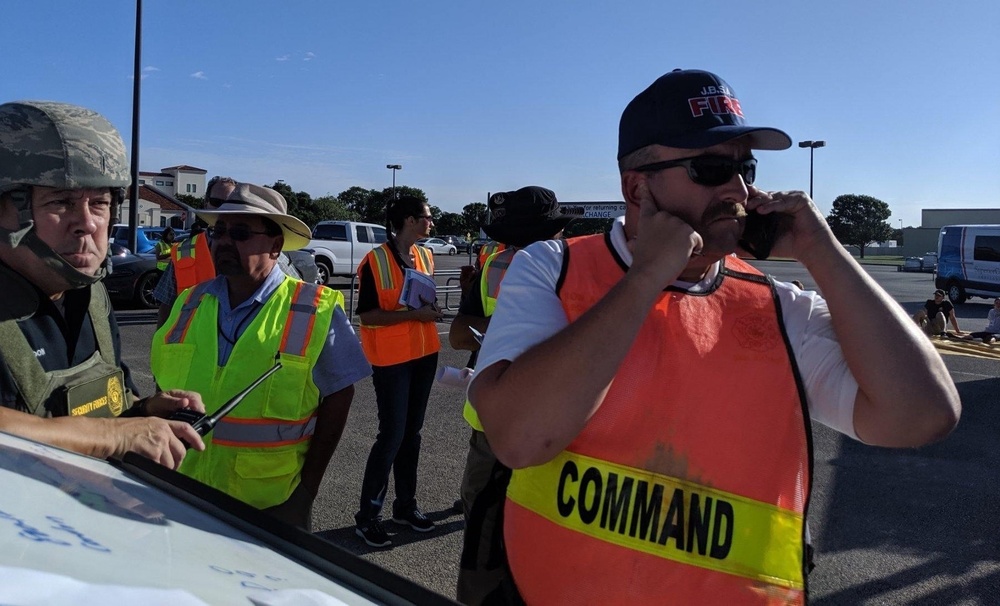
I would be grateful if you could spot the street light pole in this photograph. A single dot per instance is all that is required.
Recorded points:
(394, 168)
(811, 145)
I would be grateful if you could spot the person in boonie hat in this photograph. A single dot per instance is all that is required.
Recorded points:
(650, 360)
(517, 218)
(270, 451)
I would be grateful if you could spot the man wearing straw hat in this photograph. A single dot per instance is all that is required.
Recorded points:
(274, 448)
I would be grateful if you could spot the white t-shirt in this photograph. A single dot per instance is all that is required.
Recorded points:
(529, 312)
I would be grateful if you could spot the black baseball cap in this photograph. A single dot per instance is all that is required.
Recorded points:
(690, 109)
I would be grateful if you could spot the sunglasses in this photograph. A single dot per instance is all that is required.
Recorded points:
(216, 202)
(710, 171)
(237, 233)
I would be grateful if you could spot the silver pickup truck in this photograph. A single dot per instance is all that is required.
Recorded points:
(339, 246)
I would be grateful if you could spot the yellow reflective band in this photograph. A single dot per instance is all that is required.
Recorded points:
(665, 517)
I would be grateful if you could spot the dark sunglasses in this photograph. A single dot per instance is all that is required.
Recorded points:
(710, 171)
(216, 202)
(237, 233)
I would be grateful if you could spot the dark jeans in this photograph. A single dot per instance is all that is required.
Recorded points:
(401, 393)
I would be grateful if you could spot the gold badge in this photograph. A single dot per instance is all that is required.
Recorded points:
(116, 396)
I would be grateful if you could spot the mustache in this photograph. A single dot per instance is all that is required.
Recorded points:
(725, 211)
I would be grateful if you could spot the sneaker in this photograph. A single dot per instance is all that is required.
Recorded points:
(415, 519)
(374, 534)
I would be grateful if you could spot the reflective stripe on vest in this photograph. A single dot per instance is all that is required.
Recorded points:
(257, 433)
(383, 269)
(706, 402)
(405, 341)
(301, 318)
(489, 287)
(493, 271)
(256, 453)
(666, 517)
(178, 331)
(192, 262)
(487, 250)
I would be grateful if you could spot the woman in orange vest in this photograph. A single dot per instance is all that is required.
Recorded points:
(401, 343)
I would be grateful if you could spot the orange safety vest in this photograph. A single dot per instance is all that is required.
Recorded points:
(488, 249)
(690, 483)
(192, 262)
(396, 343)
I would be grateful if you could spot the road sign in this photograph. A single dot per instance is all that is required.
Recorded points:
(592, 210)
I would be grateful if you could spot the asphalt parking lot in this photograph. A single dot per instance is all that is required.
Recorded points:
(890, 526)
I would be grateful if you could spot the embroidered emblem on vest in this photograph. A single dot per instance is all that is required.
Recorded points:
(116, 396)
(753, 332)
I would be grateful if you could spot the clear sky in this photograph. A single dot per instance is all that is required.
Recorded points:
(472, 97)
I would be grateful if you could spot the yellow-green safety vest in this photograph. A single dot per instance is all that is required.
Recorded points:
(255, 453)
(489, 284)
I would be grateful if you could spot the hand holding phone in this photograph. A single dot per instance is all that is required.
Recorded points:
(759, 233)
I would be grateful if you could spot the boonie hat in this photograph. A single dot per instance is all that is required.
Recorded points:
(690, 109)
(249, 199)
(527, 215)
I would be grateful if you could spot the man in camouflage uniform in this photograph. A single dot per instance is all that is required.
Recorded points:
(62, 173)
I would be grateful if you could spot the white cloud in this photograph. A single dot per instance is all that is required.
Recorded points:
(283, 58)
(199, 75)
(309, 56)
(150, 68)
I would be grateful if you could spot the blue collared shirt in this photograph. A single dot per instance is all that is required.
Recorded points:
(341, 362)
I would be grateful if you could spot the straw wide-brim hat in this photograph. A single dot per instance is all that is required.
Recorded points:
(250, 199)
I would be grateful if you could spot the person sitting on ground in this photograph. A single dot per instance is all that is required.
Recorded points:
(992, 330)
(936, 313)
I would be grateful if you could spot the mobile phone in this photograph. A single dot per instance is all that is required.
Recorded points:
(759, 233)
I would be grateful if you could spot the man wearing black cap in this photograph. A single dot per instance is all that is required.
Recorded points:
(653, 393)
(517, 219)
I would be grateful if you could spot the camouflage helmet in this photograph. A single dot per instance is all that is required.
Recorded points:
(59, 145)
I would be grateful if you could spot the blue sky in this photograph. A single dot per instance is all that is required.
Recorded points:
(472, 97)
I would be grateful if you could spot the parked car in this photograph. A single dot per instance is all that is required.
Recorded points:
(145, 239)
(132, 277)
(461, 244)
(304, 262)
(339, 246)
(438, 246)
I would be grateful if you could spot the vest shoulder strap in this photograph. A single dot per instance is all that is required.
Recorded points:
(383, 269)
(100, 314)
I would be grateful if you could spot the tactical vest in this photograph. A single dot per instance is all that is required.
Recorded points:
(489, 287)
(396, 343)
(255, 453)
(93, 388)
(192, 261)
(691, 481)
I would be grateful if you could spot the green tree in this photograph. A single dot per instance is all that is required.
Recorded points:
(475, 217)
(330, 208)
(366, 204)
(450, 224)
(858, 220)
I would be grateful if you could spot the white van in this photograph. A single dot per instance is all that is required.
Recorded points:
(968, 263)
(340, 246)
